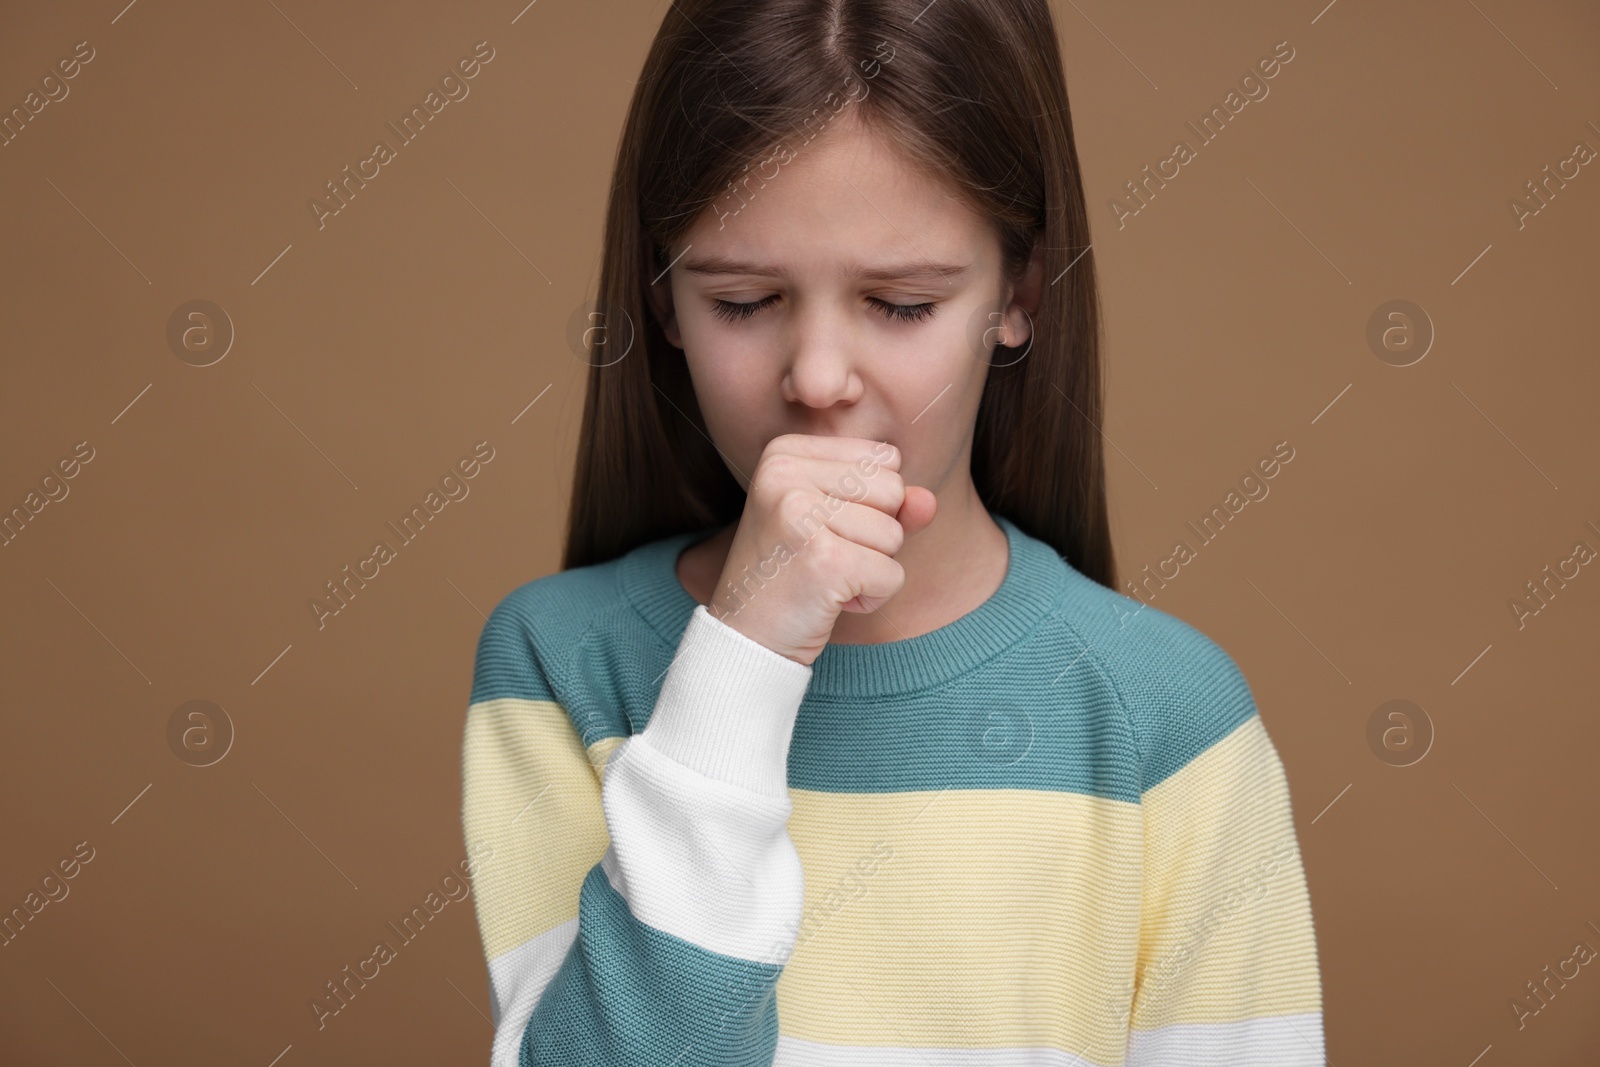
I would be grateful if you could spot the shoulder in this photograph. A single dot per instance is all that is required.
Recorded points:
(537, 628)
(1182, 692)
(576, 638)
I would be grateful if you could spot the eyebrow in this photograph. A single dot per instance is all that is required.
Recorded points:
(893, 272)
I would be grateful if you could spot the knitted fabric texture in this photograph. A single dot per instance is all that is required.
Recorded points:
(1054, 831)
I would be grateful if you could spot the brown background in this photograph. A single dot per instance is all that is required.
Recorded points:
(431, 311)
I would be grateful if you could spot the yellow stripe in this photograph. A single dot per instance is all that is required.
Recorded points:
(533, 793)
(958, 918)
(974, 918)
(1225, 879)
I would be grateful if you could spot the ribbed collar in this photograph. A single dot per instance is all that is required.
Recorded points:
(1035, 576)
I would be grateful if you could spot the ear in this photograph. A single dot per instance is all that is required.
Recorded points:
(658, 294)
(1027, 293)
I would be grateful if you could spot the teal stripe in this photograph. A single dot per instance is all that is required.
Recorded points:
(1214, 703)
(505, 660)
(629, 993)
(1094, 696)
(1181, 690)
(975, 736)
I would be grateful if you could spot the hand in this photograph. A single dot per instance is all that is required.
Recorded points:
(823, 519)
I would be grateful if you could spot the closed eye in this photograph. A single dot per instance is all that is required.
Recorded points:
(733, 311)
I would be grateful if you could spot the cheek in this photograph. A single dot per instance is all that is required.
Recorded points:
(938, 383)
(725, 376)
(735, 400)
(929, 364)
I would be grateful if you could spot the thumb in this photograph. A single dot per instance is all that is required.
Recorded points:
(917, 509)
(916, 512)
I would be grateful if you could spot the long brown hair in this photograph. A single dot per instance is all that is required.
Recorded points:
(974, 91)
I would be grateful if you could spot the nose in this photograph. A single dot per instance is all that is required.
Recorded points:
(821, 369)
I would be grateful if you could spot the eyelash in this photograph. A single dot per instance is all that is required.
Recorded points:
(734, 312)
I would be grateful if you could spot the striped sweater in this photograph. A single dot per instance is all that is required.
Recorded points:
(1052, 832)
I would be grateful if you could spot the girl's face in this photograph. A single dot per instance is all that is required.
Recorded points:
(851, 295)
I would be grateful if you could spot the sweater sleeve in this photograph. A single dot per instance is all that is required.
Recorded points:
(1227, 963)
(643, 893)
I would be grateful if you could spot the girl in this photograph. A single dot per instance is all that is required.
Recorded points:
(832, 742)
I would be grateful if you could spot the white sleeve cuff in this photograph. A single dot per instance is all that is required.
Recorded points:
(728, 706)
(701, 859)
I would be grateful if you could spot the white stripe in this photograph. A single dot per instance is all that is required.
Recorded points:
(701, 859)
(794, 1052)
(728, 706)
(1272, 1041)
(516, 981)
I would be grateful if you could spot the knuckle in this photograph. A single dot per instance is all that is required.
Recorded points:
(897, 538)
(778, 466)
(827, 553)
(802, 513)
(791, 502)
(893, 576)
(781, 445)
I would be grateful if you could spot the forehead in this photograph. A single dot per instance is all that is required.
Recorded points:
(848, 203)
